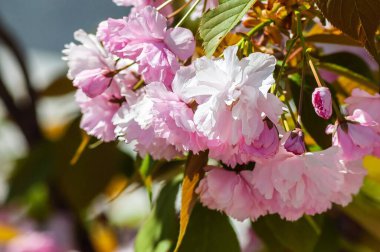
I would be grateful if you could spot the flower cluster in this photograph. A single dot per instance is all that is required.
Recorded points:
(138, 82)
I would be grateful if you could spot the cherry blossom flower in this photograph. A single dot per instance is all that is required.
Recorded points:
(266, 146)
(357, 136)
(145, 38)
(364, 101)
(153, 126)
(322, 102)
(294, 185)
(231, 193)
(97, 114)
(231, 95)
(92, 68)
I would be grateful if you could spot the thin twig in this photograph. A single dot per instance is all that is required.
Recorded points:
(188, 13)
(179, 9)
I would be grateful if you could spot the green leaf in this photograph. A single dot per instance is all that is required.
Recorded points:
(209, 230)
(160, 231)
(351, 62)
(217, 23)
(357, 18)
(92, 174)
(349, 74)
(33, 169)
(329, 240)
(145, 173)
(365, 213)
(281, 235)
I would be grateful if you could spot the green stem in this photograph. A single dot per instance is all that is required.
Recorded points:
(254, 30)
(139, 84)
(164, 4)
(204, 6)
(313, 224)
(288, 106)
(124, 67)
(279, 75)
(188, 13)
(304, 52)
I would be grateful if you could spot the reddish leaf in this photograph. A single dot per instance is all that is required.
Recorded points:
(193, 174)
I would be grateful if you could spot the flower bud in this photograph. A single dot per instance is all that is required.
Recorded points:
(93, 82)
(295, 142)
(322, 102)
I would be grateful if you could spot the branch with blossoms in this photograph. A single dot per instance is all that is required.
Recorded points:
(247, 115)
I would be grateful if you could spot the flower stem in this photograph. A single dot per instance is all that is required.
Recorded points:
(279, 75)
(254, 30)
(188, 13)
(139, 84)
(164, 4)
(124, 67)
(304, 52)
(179, 9)
(204, 6)
(321, 83)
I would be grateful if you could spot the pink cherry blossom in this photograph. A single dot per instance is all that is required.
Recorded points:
(266, 146)
(92, 68)
(357, 137)
(172, 119)
(98, 113)
(87, 56)
(231, 95)
(93, 82)
(145, 38)
(152, 128)
(32, 242)
(322, 102)
(231, 193)
(364, 101)
(353, 180)
(294, 185)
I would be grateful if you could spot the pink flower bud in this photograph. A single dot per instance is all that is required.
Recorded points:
(322, 102)
(295, 142)
(93, 82)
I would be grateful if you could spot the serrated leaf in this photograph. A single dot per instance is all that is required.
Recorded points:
(193, 174)
(209, 231)
(357, 18)
(160, 230)
(217, 23)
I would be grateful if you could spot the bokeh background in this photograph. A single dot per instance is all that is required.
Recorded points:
(43, 198)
